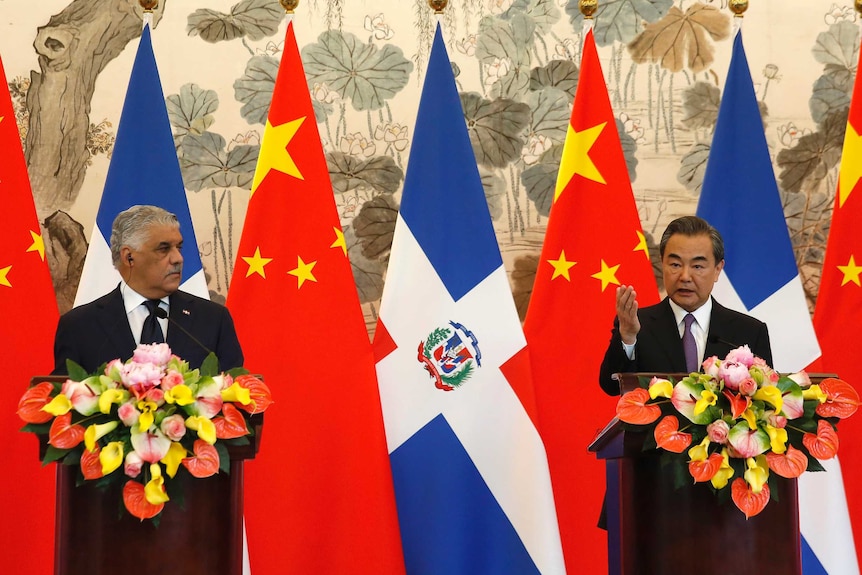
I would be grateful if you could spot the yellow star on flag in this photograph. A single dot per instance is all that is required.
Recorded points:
(273, 151)
(849, 172)
(4, 281)
(607, 275)
(576, 157)
(561, 266)
(256, 263)
(339, 240)
(303, 271)
(642, 244)
(38, 245)
(851, 272)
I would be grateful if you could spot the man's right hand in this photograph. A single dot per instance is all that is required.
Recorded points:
(627, 313)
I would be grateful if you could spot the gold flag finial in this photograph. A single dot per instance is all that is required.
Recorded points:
(438, 5)
(588, 7)
(738, 7)
(149, 5)
(289, 5)
(858, 5)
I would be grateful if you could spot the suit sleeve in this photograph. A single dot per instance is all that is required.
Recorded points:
(64, 346)
(761, 346)
(229, 351)
(615, 361)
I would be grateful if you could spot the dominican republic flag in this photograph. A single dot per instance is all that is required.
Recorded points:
(144, 169)
(740, 198)
(471, 476)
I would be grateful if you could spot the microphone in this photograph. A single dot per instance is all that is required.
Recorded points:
(718, 339)
(162, 314)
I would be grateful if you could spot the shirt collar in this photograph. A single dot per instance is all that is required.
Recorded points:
(701, 314)
(132, 299)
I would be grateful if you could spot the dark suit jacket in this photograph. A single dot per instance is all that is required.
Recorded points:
(659, 347)
(99, 331)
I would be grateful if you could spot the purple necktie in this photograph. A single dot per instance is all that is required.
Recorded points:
(689, 345)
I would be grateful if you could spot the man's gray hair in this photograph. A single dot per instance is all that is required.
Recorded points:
(693, 226)
(130, 227)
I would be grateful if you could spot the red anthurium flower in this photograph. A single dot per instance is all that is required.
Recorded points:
(790, 464)
(232, 425)
(668, 436)
(738, 403)
(824, 445)
(34, 399)
(261, 398)
(91, 466)
(136, 502)
(746, 500)
(205, 462)
(632, 408)
(705, 470)
(64, 435)
(842, 400)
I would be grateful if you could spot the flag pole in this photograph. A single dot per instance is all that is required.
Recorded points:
(148, 6)
(738, 7)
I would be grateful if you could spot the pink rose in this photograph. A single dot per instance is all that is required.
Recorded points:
(172, 379)
(128, 414)
(710, 366)
(133, 464)
(717, 431)
(733, 374)
(156, 353)
(114, 368)
(747, 387)
(741, 355)
(155, 395)
(174, 427)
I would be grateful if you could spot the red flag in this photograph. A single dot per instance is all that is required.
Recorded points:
(28, 307)
(319, 496)
(593, 243)
(838, 312)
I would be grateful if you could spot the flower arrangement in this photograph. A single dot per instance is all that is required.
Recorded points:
(741, 421)
(144, 421)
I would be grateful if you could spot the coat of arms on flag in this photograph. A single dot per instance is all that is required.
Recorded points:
(450, 355)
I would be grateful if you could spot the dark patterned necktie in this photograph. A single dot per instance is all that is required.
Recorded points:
(689, 345)
(152, 331)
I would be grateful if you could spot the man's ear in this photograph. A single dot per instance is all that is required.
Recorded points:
(718, 267)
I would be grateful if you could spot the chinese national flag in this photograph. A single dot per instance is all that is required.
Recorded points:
(319, 495)
(593, 244)
(838, 313)
(28, 309)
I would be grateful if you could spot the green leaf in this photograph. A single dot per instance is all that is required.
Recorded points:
(254, 88)
(53, 454)
(254, 19)
(210, 365)
(495, 128)
(37, 428)
(367, 273)
(619, 20)
(75, 371)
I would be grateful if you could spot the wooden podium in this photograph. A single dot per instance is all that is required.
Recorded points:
(200, 531)
(654, 528)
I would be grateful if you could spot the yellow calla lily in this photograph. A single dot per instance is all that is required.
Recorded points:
(111, 396)
(749, 416)
(111, 457)
(699, 452)
(757, 472)
(777, 438)
(96, 432)
(58, 406)
(172, 459)
(147, 409)
(724, 473)
(238, 393)
(154, 489)
(205, 428)
(707, 398)
(813, 392)
(770, 394)
(180, 394)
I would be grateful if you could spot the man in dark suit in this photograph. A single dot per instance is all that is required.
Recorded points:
(651, 339)
(146, 306)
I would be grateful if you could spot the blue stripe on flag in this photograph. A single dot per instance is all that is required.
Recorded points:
(144, 167)
(810, 563)
(450, 521)
(442, 165)
(740, 196)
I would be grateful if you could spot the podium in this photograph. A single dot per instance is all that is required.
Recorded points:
(200, 530)
(654, 528)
